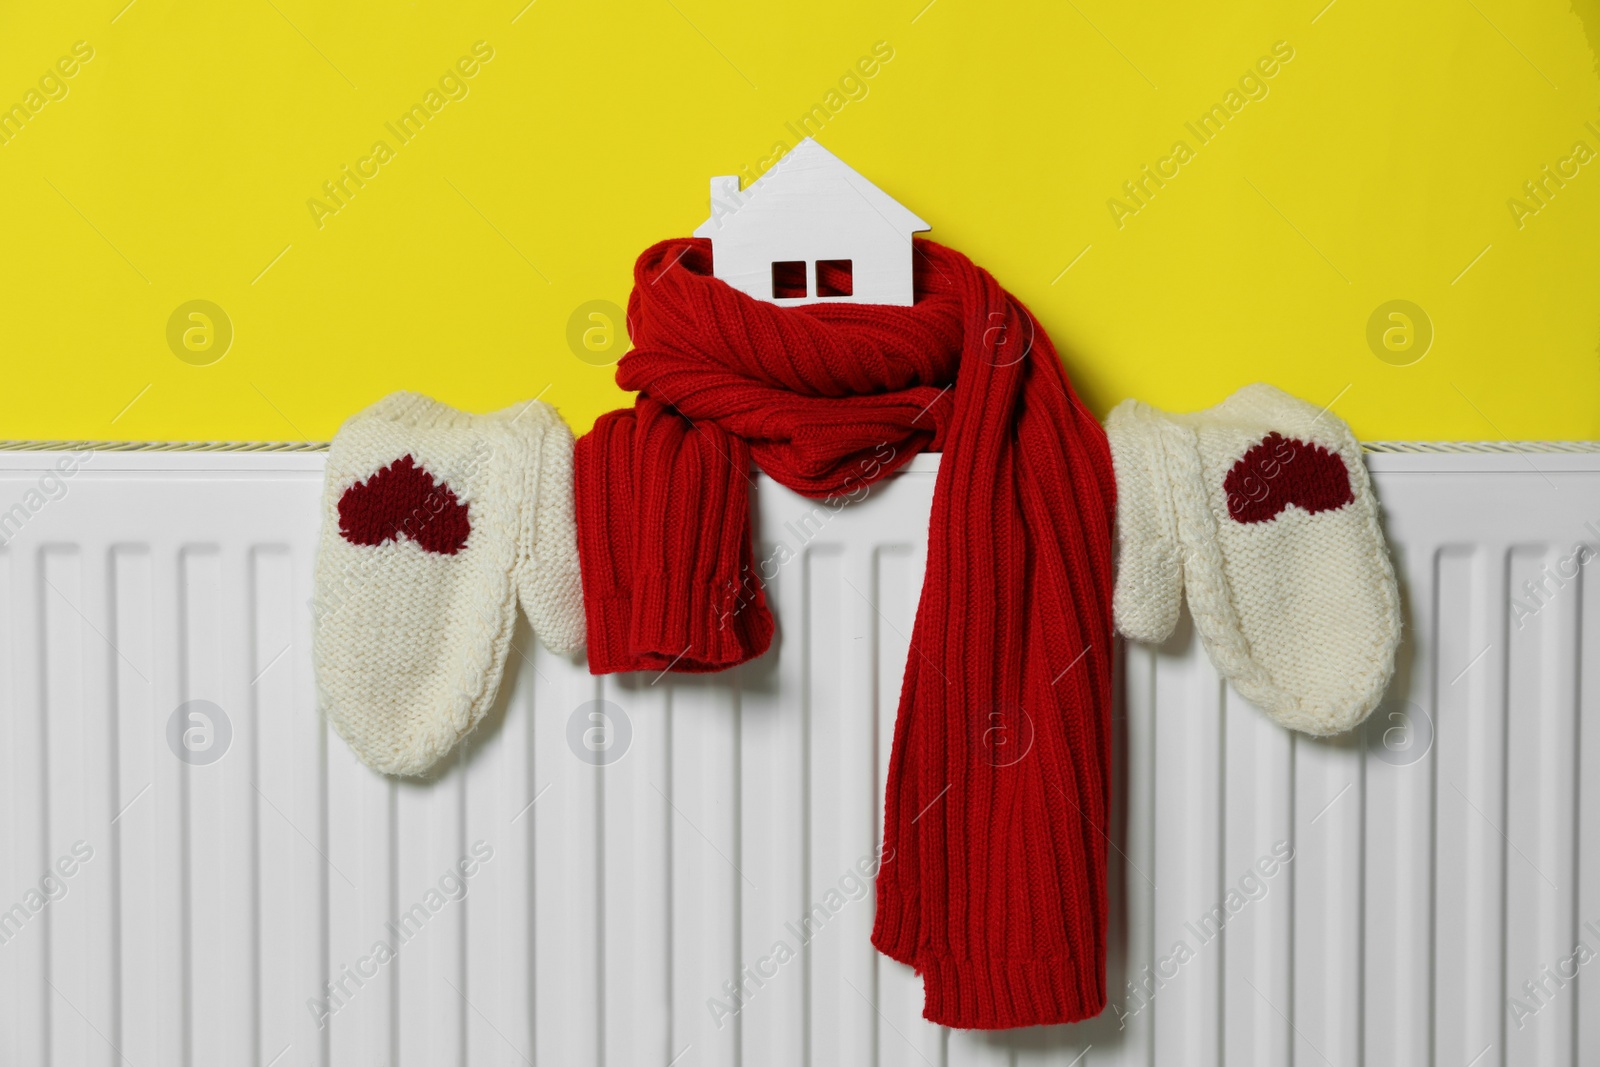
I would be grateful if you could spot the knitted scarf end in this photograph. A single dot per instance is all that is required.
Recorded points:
(989, 994)
(1000, 994)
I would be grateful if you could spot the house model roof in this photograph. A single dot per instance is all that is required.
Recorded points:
(807, 169)
(811, 230)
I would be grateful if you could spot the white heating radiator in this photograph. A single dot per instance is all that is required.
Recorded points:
(170, 911)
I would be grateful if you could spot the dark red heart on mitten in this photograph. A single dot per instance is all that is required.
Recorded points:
(402, 500)
(1280, 471)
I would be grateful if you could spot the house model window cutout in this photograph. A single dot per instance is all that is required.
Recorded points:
(811, 230)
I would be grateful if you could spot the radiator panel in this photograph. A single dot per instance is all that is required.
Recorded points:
(626, 907)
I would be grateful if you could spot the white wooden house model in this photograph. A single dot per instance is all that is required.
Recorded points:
(811, 208)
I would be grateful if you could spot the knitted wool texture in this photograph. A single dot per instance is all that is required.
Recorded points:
(993, 884)
(1262, 511)
(433, 522)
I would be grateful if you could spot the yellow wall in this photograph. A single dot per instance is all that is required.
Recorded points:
(1380, 165)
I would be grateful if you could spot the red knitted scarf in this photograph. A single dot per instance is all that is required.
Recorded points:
(993, 884)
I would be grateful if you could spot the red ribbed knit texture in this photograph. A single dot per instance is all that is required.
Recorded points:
(994, 880)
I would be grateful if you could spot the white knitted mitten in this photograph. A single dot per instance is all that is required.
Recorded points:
(432, 520)
(1149, 586)
(1283, 559)
(548, 579)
